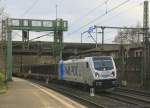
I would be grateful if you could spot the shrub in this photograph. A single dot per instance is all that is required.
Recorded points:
(1, 76)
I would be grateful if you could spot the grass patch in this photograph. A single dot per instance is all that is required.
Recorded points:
(3, 88)
(2, 84)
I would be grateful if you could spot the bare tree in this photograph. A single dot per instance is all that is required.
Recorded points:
(129, 36)
(121, 37)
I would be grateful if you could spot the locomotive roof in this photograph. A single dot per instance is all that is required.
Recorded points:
(85, 59)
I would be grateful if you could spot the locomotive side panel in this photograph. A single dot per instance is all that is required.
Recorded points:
(77, 71)
(74, 72)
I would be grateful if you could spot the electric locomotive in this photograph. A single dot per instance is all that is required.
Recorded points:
(98, 71)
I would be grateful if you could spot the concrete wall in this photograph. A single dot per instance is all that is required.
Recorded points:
(24, 59)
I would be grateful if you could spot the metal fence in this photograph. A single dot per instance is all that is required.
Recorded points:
(130, 71)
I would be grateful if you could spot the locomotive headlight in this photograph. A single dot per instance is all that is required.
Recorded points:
(113, 73)
(96, 75)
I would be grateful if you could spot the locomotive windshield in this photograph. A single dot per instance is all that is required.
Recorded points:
(103, 63)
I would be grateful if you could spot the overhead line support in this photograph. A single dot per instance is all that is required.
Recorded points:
(146, 45)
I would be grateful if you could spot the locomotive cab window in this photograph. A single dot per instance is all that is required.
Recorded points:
(104, 63)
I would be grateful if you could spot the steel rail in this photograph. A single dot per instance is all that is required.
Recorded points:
(64, 91)
(130, 98)
(133, 91)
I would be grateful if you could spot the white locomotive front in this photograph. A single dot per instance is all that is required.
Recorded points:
(98, 71)
(105, 72)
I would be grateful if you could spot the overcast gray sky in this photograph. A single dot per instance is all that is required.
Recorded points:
(75, 11)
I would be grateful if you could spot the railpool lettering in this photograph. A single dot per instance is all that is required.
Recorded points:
(72, 70)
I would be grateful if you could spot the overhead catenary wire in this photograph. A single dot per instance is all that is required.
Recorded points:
(114, 8)
(16, 33)
(30, 8)
(111, 18)
(86, 14)
(36, 38)
(109, 11)
(41, 36)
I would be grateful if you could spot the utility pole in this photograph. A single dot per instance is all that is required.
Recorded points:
(4, 33)
(96, 37)
(58, 38)
(122, 57)
(102, 32)
(146, 44)
(9, 53)
(81, 37)
(56, 11)
(102, 37)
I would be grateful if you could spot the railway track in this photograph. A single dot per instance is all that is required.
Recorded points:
(135, 97)
(84, 97)
(133, 91)
(68, 92)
